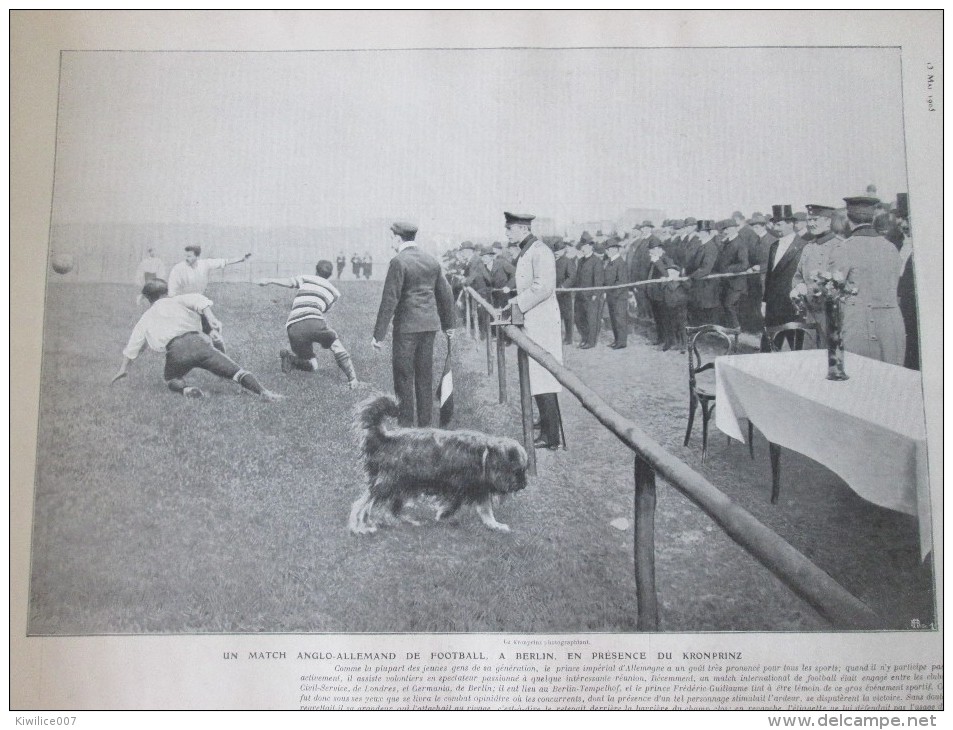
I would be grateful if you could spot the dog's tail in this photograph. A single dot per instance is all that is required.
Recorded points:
(370, 417)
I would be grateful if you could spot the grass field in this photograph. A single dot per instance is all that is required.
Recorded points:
(155, 513)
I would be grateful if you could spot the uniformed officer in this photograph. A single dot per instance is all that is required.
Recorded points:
(536, 300)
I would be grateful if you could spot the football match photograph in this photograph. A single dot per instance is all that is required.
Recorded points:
(482, 341)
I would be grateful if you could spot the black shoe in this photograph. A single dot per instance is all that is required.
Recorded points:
(620, 347)
(286, 361)
(586, 347)
(542, 443)
(613, 344)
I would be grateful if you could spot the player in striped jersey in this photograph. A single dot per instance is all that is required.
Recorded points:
(307, 325)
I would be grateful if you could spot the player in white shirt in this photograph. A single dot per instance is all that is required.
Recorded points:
(191, 277)
(149, 269)
(173, 325)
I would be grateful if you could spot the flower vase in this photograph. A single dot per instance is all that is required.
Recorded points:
(835, 340)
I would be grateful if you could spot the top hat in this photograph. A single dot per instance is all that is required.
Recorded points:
(903, 205)
(781, 213)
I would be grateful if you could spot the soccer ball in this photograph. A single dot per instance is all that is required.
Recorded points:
(62, 263)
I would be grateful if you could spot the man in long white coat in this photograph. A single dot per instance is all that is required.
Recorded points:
(536, 299)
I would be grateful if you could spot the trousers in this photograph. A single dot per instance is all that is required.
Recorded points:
(412, 361)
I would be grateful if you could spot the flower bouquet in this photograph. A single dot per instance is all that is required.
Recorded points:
(829, 289)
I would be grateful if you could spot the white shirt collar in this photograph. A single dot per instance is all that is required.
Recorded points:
(406, 244)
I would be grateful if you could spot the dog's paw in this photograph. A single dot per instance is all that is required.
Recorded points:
(499, 526)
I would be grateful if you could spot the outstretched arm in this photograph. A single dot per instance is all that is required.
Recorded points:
(290, 283)
(123, 370)
(239, 260)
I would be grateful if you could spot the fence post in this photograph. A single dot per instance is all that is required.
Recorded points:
(489, 343)
(526, 409)
(645, 545)
(501, 362)
(466, 302)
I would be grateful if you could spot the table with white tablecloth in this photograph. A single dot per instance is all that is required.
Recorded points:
(869, 430)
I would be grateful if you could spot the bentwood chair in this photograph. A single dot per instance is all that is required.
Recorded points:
(701, 391)
(792, 332)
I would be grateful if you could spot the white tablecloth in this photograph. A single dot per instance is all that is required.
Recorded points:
(869, 430)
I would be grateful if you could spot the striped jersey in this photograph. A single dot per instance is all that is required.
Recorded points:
(315, 297)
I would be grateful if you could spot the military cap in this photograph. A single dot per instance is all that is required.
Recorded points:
(403, 228)
(466, 244)
(689, 222)
(819, 211)
(757, 219)
(647, 224)
(861, 208)
(518, 219)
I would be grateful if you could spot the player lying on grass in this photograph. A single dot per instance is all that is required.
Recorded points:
(306, 324)
(173, 325)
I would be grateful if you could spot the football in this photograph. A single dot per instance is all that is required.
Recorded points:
(62, 263)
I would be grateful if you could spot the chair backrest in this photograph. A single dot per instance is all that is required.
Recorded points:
(726, 337)
(772, 334)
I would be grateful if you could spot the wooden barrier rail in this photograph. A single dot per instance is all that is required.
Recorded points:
(803, 577)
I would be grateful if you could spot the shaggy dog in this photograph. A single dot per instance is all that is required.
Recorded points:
(454, 467)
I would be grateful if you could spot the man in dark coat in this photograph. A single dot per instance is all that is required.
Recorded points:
(565, 276)
(654, 293)
(589, 273)
(615, 273)
(502, 276)
(704, 297)
(783, 258)
(417, 298)
(637, 259)
(732, 259)
(758, 262)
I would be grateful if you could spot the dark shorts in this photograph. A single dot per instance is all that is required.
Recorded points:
(303, 334)
(193, 350)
